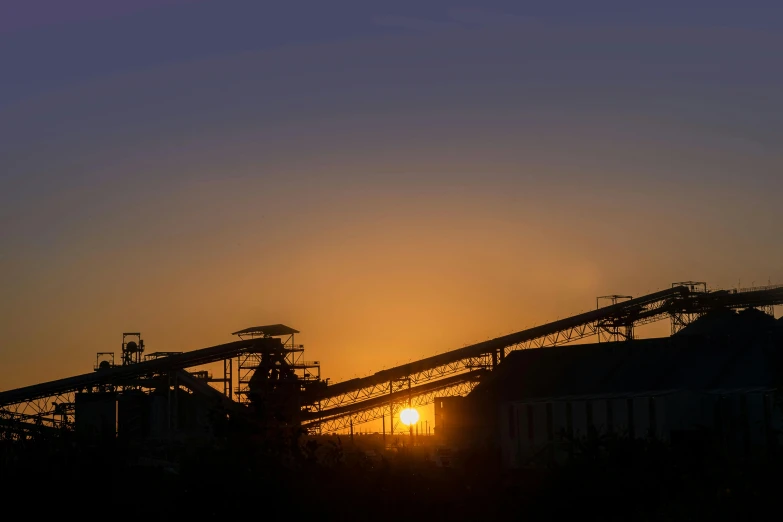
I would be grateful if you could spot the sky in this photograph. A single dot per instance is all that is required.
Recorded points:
(393, 179)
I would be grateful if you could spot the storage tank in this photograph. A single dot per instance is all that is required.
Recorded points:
(95, 415)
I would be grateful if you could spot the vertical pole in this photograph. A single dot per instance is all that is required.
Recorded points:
(351, 429)
(227, 377)
(409, 406)
(175, 423)
(597, 326)
(168, 406)
(383, 418)
(391, 409)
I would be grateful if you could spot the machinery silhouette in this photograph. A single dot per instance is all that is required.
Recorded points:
(279, 390)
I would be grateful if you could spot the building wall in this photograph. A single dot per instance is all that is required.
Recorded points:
(187, 417)
(742, 422)
(451, 418)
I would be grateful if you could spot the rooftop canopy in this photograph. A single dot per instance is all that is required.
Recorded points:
(272, 330)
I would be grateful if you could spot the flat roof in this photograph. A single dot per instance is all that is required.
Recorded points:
(272, 330)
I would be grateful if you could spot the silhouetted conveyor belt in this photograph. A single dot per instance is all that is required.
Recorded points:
(634, 311)
(119, 374)
(485, 347)
(641, 309)
(400, 395)
(202, 387)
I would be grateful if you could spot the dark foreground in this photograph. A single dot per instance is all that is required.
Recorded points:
(338, 480)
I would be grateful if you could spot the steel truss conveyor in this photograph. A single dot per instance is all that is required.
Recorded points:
(47, 401)
(417, 383)
(453, 373)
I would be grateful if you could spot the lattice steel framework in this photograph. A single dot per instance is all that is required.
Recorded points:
(249, 362)
(381, 389)
(51, 404)
(16, 426)
(370, 414)
(609, 329)
(682, 317)
(683, 304)
(53, 411)
(360, 400)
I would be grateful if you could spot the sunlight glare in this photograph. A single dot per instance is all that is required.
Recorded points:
(409, 416)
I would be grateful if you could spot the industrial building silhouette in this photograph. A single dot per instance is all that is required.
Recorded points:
(713, 383)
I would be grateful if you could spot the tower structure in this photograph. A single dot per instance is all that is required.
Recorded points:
(277, 379)
(132, 348)
(681, 317)
(613, 329)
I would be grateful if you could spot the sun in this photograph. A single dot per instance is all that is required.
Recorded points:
(409, 416)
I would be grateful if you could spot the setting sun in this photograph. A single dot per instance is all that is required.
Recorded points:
(409, 416)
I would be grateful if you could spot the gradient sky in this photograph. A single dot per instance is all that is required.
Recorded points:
(391, 178)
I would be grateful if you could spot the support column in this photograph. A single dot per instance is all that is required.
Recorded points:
(391, 409)
(409, 407)
(228, 381)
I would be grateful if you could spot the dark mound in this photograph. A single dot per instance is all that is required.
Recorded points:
(728, 323)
